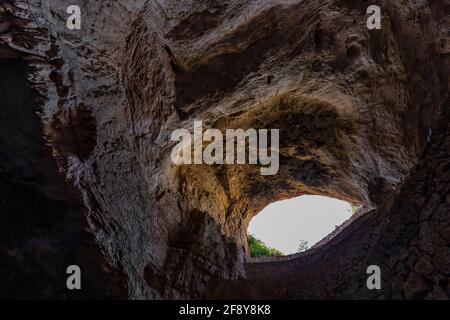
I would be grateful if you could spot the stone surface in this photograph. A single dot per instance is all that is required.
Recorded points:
(354, 108)
(42, 227)
(416, 286)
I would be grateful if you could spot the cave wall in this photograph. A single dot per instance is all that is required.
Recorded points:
(354, 109)
(407, 237)
(42, 226)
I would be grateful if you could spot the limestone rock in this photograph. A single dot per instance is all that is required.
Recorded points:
(363, 116)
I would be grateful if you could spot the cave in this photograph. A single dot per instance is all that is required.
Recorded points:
(363, 116)
(297, 224)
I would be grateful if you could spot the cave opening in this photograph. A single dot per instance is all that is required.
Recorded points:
(295, 225)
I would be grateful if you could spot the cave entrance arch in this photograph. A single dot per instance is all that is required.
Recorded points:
(297, 224)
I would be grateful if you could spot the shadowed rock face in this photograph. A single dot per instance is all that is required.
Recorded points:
(42, 229)
(354, 108)
(407, 238)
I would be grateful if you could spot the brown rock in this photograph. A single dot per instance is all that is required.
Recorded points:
(424, 266)
(431, 206)
(437, 294)
(416, 286)
(354, 109)
(442, 260)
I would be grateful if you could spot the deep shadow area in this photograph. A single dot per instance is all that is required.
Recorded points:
(42, 228)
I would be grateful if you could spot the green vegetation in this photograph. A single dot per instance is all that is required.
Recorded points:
(260, 249)
(354, 208)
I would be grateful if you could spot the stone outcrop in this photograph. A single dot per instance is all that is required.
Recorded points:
(362, 117)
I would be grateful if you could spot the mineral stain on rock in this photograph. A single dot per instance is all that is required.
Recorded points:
(87, 117)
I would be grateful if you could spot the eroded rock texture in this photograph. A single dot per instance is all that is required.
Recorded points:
(355, 109)
(42, 229)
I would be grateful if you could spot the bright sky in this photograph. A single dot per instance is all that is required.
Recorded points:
(283, 224)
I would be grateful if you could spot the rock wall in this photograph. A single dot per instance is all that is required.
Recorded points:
(354, 108)
(407, 237)
(42, 228)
